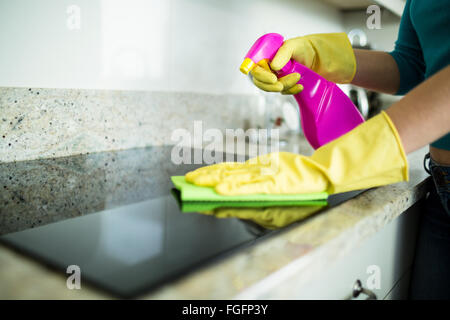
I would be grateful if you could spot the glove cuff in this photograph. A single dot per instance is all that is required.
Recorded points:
(400, 145)
(370, 155)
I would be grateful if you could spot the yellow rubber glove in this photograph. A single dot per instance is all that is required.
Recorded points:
(270, 218)
(329, 54)
(368, 156)
(266, 80)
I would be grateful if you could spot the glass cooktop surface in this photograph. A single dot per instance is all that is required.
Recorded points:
(119, 223)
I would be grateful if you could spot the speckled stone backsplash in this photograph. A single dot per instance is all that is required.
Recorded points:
(46, 123)
(38, 192)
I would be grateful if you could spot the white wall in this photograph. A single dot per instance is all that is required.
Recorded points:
(180, 45)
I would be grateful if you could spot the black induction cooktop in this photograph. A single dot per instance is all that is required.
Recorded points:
(139, 238)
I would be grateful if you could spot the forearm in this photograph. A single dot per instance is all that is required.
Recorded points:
(376, 70)
(423, 115)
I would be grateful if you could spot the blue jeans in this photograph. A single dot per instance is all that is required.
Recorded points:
(441, 180)
(431, 270)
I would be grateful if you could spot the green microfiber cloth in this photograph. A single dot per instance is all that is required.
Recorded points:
(196, 198)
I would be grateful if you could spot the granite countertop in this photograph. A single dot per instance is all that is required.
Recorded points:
(42, 191)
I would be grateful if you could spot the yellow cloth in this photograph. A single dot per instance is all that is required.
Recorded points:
(368, 156)
(329, 54)
(270, 217)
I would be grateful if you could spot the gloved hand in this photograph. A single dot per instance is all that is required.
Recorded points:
(368, 156)
(329, 54)
(270, 217)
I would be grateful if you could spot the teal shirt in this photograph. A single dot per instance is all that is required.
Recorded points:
(423, 46)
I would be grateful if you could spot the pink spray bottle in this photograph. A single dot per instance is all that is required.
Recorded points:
(326, 112)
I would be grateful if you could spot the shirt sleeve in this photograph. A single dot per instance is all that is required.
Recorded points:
(408, 54)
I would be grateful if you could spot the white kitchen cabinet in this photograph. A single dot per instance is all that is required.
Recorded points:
(349, 4)
(388, 254)
(395, 6)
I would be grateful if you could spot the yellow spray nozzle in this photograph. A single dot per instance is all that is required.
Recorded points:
(247, 65)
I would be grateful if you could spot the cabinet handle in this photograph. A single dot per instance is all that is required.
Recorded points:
(358, 289)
